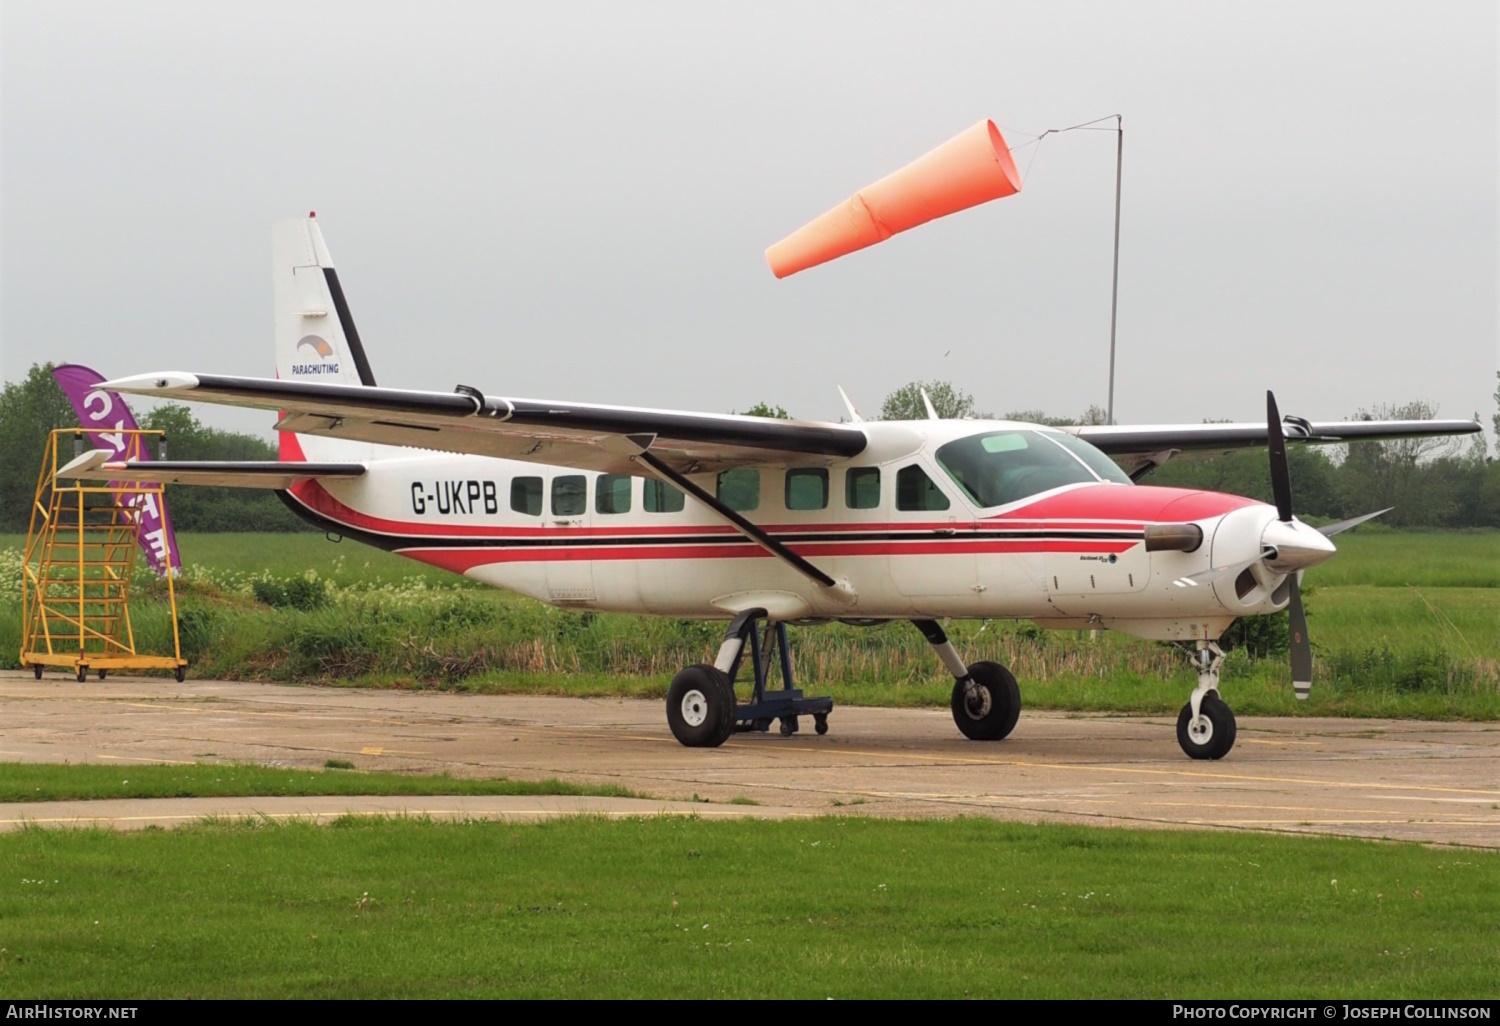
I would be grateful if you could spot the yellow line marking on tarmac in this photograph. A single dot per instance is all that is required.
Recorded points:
(1116, 768)
(1337, 822)
(1025, 764)
(481, 813)
(143, 759)
(1030, 801)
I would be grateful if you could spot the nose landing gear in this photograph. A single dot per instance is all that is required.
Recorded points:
(1205, 726)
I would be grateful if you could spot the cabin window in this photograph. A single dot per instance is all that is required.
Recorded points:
(862, 488)
(526, 495)
(916, 491)
(740, 489)
(661, 497)
(570, 495)
(807, 488)
(612, 493)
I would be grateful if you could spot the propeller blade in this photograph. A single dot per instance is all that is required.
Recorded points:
(1301, 647)
(1281, 477)
(1329, 530)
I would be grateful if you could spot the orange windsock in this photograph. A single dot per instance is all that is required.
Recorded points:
(971, 168)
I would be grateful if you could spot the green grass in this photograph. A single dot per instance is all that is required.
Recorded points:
(42, 782)
(685, 908)
(1377, 555)
(284, 554)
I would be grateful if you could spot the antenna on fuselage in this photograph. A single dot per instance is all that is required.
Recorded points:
(932, 413)
(854, 417)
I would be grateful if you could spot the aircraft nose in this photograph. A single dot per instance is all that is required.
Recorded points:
(1289, 546)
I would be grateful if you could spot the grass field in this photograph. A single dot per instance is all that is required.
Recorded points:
(1404, 624)
(673, 907)
(46, 782)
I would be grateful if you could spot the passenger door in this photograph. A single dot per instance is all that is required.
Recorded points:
(570, 572)
(929, 557)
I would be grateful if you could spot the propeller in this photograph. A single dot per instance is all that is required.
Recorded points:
(1286, 547)
(1281, 489)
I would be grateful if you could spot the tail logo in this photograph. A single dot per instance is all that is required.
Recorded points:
(323, 351)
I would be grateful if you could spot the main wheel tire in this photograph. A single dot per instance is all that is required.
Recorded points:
(700, 707)
(986, 706)
(1213, 735)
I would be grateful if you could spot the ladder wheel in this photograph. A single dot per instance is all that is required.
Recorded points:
(103, 674)
(181, 674)
(83, 674)
(37, 669)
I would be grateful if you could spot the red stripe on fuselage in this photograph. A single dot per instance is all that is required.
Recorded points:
(1094, 507)
(317, 498)
(460, 560)
(1138, 504)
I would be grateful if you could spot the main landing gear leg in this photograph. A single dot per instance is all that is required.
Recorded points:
(986, 699)
(701, 706)
(1205, 726)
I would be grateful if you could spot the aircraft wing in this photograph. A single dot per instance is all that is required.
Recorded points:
(583, 435)
(99, 465)
(1141, 447)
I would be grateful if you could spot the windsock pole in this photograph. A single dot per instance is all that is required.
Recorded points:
(1114, 289)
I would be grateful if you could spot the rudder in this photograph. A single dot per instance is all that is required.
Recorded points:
(316, 339)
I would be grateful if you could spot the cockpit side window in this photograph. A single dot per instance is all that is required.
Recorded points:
(1099, 463)
(1002, 467)
(915, 491)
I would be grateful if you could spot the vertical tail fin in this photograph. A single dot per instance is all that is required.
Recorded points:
(316, 339)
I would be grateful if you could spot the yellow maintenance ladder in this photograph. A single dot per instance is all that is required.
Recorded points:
(80, 560)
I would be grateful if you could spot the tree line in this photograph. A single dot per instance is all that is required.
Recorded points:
(32, 407)
(1442, 483)
(1431, 482)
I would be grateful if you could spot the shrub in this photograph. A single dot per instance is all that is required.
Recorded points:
(303, 593)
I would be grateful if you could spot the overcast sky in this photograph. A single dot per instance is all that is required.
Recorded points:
(571, 200)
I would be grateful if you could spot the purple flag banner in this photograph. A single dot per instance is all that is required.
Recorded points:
(105, 419)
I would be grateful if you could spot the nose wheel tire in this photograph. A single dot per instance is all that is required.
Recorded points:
(700, 707)
(1212, 734)
(987, 704)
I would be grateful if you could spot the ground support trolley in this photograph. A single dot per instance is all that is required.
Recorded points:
(79, 566)
(702, 708)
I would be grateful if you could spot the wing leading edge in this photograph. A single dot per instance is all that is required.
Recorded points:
(1141, 447)
(582, 435)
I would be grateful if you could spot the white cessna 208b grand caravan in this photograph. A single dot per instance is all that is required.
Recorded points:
(762, 521)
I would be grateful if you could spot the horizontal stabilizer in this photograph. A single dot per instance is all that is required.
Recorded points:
(97, 465)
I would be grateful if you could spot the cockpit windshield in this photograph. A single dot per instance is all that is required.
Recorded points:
(1001, 467)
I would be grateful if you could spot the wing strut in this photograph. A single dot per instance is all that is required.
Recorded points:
(840, 589)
